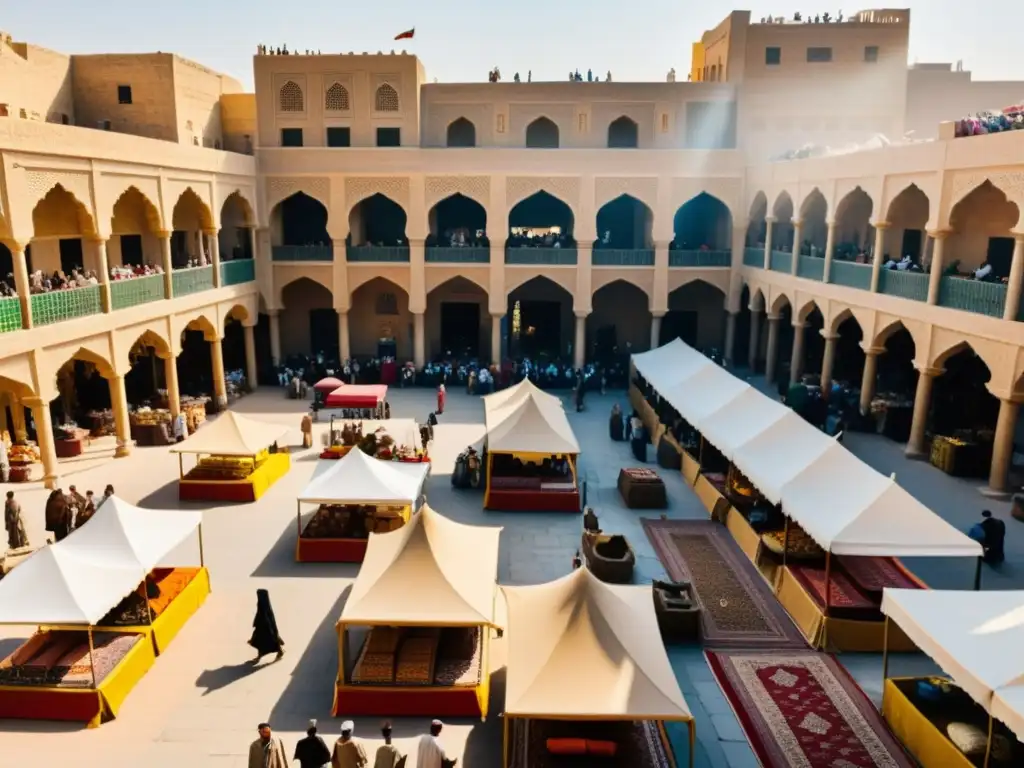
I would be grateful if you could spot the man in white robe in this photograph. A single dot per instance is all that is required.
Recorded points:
(430, 752)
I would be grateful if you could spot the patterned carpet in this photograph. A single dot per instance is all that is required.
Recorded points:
(640, 744)
(738, 608)
(802, 710)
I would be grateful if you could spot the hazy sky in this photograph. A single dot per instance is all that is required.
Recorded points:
(459, 40)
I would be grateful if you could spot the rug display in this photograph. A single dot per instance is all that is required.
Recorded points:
(845, 599)
(639, 745)
(738, 609)
(802, 710)
(873, 574)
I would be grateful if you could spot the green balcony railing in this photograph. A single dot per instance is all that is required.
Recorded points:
(302, 253)
(850, 274)
(194, 280)
(782, 261)
(458, 255)
(398, 253)
(973, 296)
(622, 257)
(905, 285)
(57, 306)
(753, 257)
(810, 268)
(10, 314)
(699, 258)
(237, 271)
(137, 290)
(565, 256)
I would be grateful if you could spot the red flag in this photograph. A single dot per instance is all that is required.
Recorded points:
(407, 35)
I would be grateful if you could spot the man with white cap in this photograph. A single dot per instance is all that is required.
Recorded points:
(348, 750)
(312, 751)
(430, 752)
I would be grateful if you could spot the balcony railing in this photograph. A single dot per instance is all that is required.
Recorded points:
(905, 285)
(782, 261)
(194, 280)
(136, 291)
(566, 256)
(851, 274)
(753, 257)
(57, 306)
(458, 255)
(10, 314)
(623, 257)
(699, 258)
(378, 253)
(237, 271)
(302, 253)
(973, 296)
(810, 268)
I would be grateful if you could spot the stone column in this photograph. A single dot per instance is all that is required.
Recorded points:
(830, 246)
(579, 347)
(344, 339)
(772, 354)
(922, 404)
(171, 380)
(18, 428)
(275, 335)
(214, 240)
(827, 363)
(755, 339)
(796, 360)
(1013, 284)
(935, 268)
(251, 372)
(103, 267)
(496, 338)
(879, 254)
(168, 266)
(656, 328)
(252, 241)
(419, 340)
(798, 238)
(1002, 448)
(768, 222)
(21, 283)
(730, 337)
(220, 391)
(44, 436)
(122, 424)
(869, 378)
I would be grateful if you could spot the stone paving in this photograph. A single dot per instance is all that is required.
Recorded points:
(200, 703)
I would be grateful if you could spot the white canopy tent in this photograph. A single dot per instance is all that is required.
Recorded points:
(708, 389)
(515, 394)
(740, 420)
(670, 364)
(359, 479)
(975, 637)
(232, 434)
(431, 571)
(532, 424)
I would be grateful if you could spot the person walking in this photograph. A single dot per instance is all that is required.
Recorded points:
(265, 637)
(312, 751)
(16, 536)
(307, 430)
(440, 398)
(349, 751)
(430, 752)
(994, 538)
(86, 511)
(267, 751)
(58, 517)
(388, 755)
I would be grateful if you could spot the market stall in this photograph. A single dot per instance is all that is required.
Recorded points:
(355, 497)
(367, 401)
(530, 452)
(237, 460)
(103, 609)
(976, 716)
(587, 674)
(419, 618)
(389, 439)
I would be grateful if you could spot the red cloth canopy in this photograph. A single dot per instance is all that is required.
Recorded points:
(328, 385)
(357, 396)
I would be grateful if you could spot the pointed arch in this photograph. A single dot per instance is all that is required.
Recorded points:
(461, 132)
(542, 133)
(910, 208)
(805, 310)
(703, 221)
(541, 210)
(782, 208)
(237, 208)
(623, 133)
(336, 99)
(134, 213)
(386, 98)
(470, 279)
(191, 212)
(299, 220)
(627, 222)
(779, 303)
(457, 211)
(290, 98)
(61, 213)
(378, 220)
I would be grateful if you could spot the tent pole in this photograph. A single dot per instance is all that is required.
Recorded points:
(693, 741)
(828, 598)
(785, 542)
(202, 558)
(181, 466)
(885, 652)
(504, 747)
(988, 745)
(95, 687)
(145, 596)
(700, 453)
(977, 575)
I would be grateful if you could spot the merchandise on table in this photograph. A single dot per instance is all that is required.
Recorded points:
(800, 545)
(420, 656)
(350, 521)
(61, 659)
(224, 468)
(162, 586)
(23, 453)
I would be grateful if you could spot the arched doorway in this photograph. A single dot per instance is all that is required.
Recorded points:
(377, 221)
(782, 227)
(308, 321)
(814, 343)
(147, 375)
(908, 220)
(896, 382)
(624, 224)
(457, 221)
(848, 366)
(540, 221)
(461, 133)
(623, 133)
(457, 322)
(541, 321)
(962, 407)
(195, 361)
(696, 314)
(134, 225)
(854, 235)
(191, 221)
(757, 229)
(542, 133)
(380, 323)
(60, 225)
(618, 325)
(814, 231)
(236, 226)
(234, 342)
(703, 223)
(298, 229)
(982, 223)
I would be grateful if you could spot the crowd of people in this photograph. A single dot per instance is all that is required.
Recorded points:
(42, 282)
(65, 512)
(461, 237)
(550, 239)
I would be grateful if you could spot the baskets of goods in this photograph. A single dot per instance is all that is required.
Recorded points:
(337, 521)
(374, 668)
(384, 640)
(801, 546)
(221, 469)
(150, 417)
(23, 453)
(416, 661)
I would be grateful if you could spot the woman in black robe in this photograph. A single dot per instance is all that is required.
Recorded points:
(265, 637)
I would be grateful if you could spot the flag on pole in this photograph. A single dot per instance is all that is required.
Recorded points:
(407, 35)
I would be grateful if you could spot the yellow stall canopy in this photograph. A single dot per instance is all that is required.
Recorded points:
(582, 649)
(430, 572)
(231, 434)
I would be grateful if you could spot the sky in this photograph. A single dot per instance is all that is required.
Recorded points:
(460, 41)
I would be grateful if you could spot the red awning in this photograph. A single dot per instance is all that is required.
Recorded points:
(328, 385)
(357, 396)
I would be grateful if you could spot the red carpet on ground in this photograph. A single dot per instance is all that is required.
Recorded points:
(803, 709)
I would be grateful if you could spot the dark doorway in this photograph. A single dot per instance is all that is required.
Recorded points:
(323, 332)
(1000, 254)
(540, 330)
(6, 265)
(679, 324)
(460, 328)
(911, 245)
(234, 346)
(70, 254)
(303, 221)
(606, 339)
(131, 250)
(264, 359)
(179, 249)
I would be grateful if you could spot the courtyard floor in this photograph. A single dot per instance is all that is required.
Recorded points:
(200, 703)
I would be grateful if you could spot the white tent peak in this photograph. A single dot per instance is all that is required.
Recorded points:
(232, 434)
(357, 477)
(529, 423)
